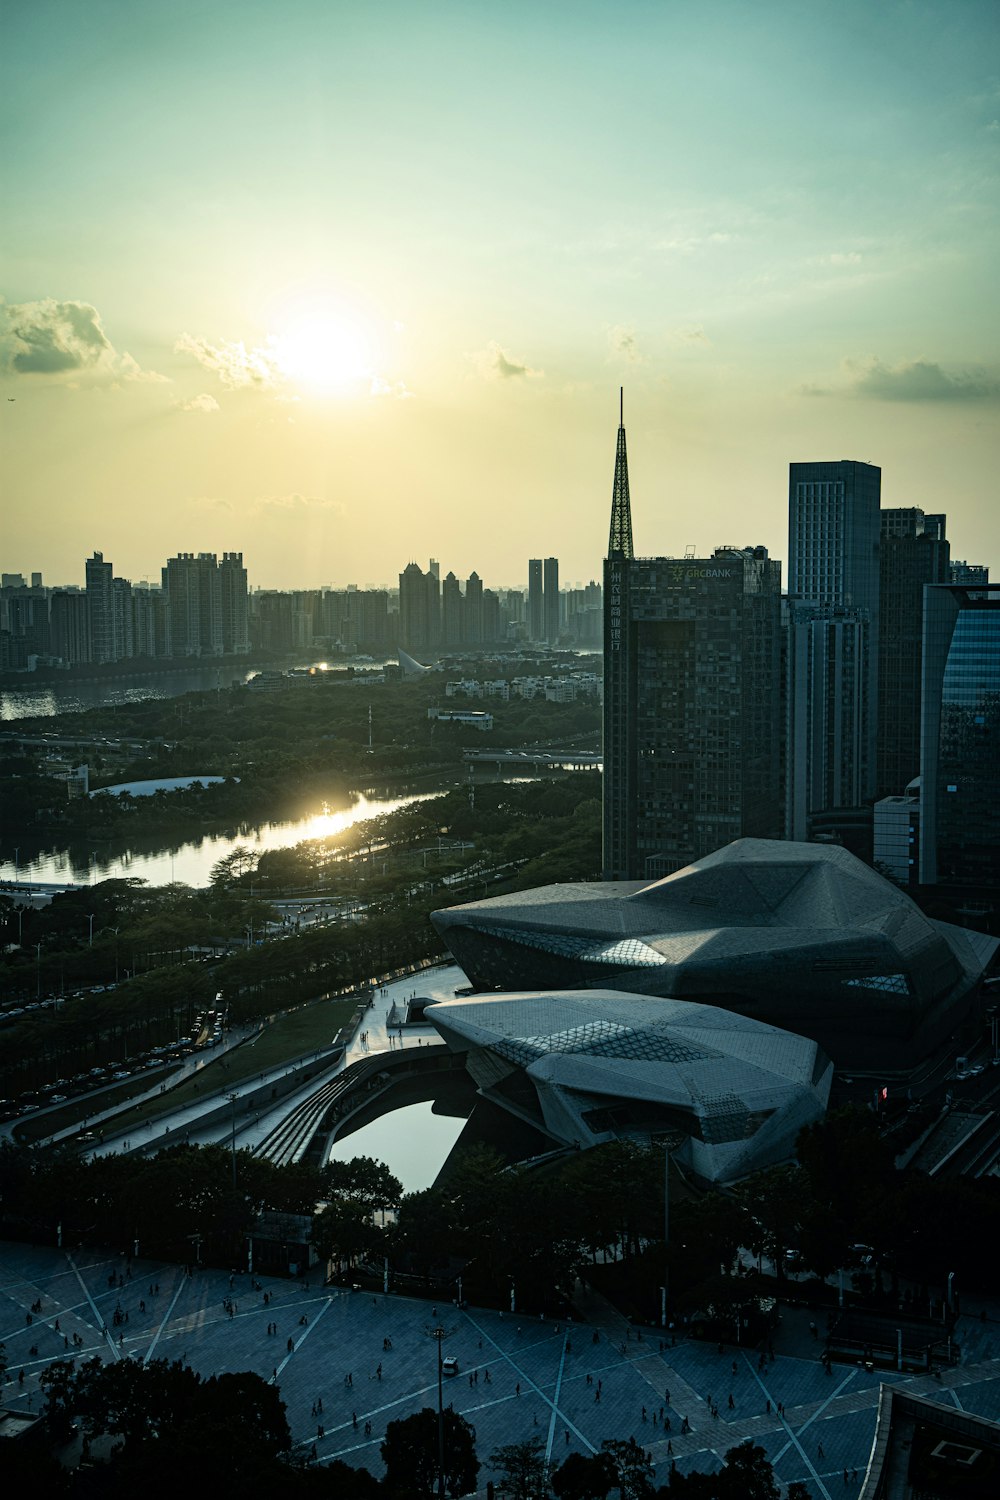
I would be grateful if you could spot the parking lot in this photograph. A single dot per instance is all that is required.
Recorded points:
(572, 1385)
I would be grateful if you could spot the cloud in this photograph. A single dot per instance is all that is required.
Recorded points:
(203, 403)
(911, 380)
(396, 388)
(623, 345)
(295, 505)
(494, 363)
(843, 258)
(65, 339)
(236, 366)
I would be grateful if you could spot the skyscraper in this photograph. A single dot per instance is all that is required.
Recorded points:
(692, 724)
(550, 590)
(833, 550)
(536, 600)
(913, 551)
(960, 736)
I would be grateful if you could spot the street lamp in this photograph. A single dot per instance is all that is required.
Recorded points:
(90, 919)
(666, 1236)
(440, 1334)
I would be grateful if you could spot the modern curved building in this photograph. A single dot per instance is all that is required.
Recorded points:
(587, 1066)
(800, 936)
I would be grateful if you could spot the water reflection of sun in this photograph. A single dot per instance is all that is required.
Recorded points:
(327, 823)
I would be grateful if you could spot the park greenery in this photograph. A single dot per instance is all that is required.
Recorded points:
(282, 755)
(161, 954)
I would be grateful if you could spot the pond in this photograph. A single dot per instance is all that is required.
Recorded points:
(413, 1142)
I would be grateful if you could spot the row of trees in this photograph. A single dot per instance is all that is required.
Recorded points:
(597, 1213)
(160, 1429)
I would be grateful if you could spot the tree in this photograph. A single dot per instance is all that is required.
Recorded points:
(410, 1455)
(747, 1475)
(633, 1467)
(522, 1469)
(584, 1476)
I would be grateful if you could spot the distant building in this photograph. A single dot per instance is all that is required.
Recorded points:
(896, 839)
(233, 601)
(828, 737)
(536, 600)
(913, 552)
(419, 609)
(960, 736)
(100, 608)
(968, 573)
(834, 527)
(550, 599)
(193, 605)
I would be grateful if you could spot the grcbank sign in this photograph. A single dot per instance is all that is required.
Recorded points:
(684, 574)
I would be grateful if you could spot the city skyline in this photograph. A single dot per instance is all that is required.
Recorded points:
(292, 288)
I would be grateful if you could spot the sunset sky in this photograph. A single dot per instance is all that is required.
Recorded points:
(345, 285)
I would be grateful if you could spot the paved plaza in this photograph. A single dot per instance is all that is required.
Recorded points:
(370, 1359)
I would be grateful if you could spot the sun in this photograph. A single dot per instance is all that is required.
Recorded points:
(324, 349)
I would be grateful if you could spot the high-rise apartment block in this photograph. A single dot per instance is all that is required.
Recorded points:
(205, 606)
(100, 608)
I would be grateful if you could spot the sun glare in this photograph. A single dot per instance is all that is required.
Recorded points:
(323, 349)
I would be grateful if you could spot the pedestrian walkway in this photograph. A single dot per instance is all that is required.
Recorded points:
(350, 1362)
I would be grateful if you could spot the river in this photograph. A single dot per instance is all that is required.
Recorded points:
(25, 699)
(191, 863)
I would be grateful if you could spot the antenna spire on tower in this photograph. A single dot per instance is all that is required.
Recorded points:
(620, 540)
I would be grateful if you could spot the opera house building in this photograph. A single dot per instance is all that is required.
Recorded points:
(743, 974)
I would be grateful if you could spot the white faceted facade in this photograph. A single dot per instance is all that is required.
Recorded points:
(729, 1093)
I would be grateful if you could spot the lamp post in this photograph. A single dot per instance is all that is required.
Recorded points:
(666, 1237)
(38, 961)
(90, 919)
(232, 1099)
(439, 1334)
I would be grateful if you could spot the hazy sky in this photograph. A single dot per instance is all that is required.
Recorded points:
(345, 285)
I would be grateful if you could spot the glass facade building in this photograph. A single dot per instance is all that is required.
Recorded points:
(960, 736)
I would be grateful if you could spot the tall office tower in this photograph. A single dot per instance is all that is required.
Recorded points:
(474, 609)
(536, 600)
(692, 726)
(828, 708)
(550, 599)
(233, 599)
(833, 551)
(434, 569)
(968, 573)
(960, 736)
(100, 608)
(912, 552)
(419, 609)
(452, 612)
(193, 595)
